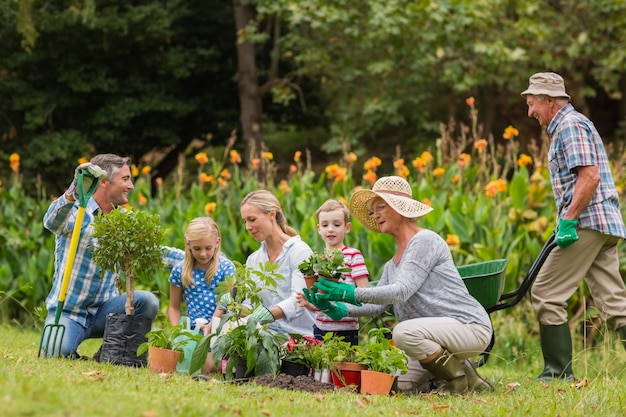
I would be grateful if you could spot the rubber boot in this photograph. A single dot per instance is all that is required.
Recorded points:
(556, 346)
(475, 382)
(448, 368)
(622, 335)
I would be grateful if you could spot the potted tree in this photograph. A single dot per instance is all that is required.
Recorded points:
(239, 338)
(330, 266)
(166, 347)
(383, 360)
(128, 243)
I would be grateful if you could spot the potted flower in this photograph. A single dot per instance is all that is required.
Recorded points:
(383, 360)
(298, 355)
(345, 370)
(239, 338)
(128, 243)
(330, 266)
(165, 347)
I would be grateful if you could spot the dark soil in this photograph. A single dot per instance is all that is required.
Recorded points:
(294, 383)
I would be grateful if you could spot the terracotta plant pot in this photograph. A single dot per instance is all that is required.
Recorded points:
(377, 383)
(310, 280)
(347, 374)
(163, 360)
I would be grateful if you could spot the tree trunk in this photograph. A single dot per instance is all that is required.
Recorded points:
(130, 292)
(248, 84)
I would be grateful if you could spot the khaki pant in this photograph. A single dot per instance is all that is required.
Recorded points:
(594, 258)
(422, 337)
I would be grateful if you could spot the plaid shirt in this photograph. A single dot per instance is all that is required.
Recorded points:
(89, 288)
(574, 142)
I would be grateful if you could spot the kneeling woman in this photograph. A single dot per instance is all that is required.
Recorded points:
(440, 325)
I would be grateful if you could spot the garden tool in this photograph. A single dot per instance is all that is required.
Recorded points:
(87, 179)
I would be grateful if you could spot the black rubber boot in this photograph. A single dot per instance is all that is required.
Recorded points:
(448, 368)
(475, 382)
(556, 346)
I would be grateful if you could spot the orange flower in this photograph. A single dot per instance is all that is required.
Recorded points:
(453, 240)
(495, 187)
(370, 177)
(510, 132)
(372, 164)
(14, 160)
(426, 157)
(235, 158)
(524, 160)
(456, 178)
(419, 164)
(202, 158)
(134, 170)
(297, 156)
(284, 187)
(255, 163)
(469, 101)
(398, 163)
(267, 155)
(209, 208)
(204, 178)
(481, 145)
(82, 160)
(464, 160)
(146, 170)
(225, 174)
(350, 158)
(142, 199)
(438, 172)
(337, 172)
(402, 171)
(343, 200)
(221, 182)
(427, 202)
(293, 169)
(159, 182)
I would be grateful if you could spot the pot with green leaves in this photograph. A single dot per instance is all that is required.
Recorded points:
(165, 347)
(327, 265)
(383, 360)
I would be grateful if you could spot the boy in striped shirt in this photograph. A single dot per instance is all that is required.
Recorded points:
(333, 222)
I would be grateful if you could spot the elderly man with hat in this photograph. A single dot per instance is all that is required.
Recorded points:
(440, 325)
(589, 224)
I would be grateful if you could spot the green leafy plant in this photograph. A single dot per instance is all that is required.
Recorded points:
(380, 355)
(238, 334)
(337, 349)
(168, 337)
(325, 265)
(129, 243)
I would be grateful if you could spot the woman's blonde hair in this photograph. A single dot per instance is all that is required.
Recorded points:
(201, 228)
(266, 202)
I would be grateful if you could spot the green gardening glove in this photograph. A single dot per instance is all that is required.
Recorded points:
(566, 233)
(336, 291)
(335, 311)
(262, 315)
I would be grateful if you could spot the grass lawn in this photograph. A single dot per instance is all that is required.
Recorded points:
(32, 386)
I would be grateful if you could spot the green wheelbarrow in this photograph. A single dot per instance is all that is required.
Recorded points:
(485, 282)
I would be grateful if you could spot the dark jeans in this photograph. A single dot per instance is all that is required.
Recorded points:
(350, 336)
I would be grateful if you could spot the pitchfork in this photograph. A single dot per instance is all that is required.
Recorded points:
(87, 179)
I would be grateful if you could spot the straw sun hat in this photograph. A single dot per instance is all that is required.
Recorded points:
(396, 192)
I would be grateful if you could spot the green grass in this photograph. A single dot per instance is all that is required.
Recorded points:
(32, 386)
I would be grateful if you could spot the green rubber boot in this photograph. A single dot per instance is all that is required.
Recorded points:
(556, 346)
(475, 382)
(622, 335)
(448, 368)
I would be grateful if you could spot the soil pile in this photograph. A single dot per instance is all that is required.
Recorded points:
(294, 383)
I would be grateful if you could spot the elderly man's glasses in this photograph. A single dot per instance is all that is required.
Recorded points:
(377, 208)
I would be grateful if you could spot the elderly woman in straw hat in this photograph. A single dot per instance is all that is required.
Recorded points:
(440, 325)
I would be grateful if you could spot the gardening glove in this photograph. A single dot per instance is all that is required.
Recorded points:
(225, 300)
(96, 173)
(335, 311)
(566, 233)
(263, 315)
(337, 291)
(312, 297)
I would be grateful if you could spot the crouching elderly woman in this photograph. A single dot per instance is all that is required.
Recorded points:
(440, 325)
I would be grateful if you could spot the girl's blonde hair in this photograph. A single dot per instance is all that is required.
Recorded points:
(200, 228)
(266, 202)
